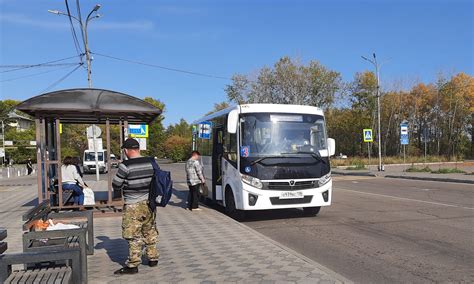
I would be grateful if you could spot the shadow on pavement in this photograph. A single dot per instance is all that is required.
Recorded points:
(116, 249)
(182, 196)
(274, 214)
(32, 202)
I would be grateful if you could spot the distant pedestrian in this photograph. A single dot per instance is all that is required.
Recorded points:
(194, 178)
(29, 166)
(134, 178)
(71, 180)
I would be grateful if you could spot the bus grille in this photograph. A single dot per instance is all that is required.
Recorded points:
(278, 201)
(286, 185)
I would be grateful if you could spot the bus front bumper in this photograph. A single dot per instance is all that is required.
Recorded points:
(258, 199)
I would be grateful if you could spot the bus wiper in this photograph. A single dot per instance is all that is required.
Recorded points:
(315, 155)
(262, 158)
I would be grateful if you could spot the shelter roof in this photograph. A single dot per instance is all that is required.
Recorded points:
(89, 106)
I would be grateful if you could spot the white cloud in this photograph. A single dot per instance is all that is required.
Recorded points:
(133, 25)
(99, 24)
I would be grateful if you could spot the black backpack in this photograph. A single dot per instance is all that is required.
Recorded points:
(161, 187)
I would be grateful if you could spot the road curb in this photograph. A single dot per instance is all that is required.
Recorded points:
(295, 253)
(432, 179)
(364, 174)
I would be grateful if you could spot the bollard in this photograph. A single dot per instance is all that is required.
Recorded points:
(8, 172)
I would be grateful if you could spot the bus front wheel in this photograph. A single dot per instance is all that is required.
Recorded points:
(311, 211)
(230, 208)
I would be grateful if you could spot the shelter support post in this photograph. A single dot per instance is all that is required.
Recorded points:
(121, 139)
(109, 163)
(44, 132)
(59, 162)
(39, 161)
(125, 130)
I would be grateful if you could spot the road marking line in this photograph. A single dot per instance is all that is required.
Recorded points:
(404, 198)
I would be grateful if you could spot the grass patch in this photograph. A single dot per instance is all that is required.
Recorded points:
(448, 171)
(357, 167)
(387, 160)
(412, 169)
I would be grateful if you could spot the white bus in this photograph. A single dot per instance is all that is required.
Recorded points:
(266, 156)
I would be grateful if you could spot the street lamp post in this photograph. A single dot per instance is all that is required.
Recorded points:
(379, 135)
(89, 66)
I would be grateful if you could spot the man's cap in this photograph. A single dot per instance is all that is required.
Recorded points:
(131, 143)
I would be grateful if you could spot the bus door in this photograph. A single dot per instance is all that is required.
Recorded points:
(217, 151)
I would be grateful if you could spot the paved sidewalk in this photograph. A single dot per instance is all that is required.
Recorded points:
(196, 247)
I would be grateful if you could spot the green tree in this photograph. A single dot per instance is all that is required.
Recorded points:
(218, 107)
(157, 135)
(177, 148)
(182, 129)
(288, 82)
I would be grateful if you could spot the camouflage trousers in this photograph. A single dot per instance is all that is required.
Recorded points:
(139, 228)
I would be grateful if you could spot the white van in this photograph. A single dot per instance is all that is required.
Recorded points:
(89, 161)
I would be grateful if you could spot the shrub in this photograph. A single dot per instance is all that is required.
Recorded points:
(177, 148)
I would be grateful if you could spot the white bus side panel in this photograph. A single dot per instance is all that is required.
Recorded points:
(207, 170)
(231, 177)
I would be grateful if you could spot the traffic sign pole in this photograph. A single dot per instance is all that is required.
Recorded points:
(95, 152)
(368, 151)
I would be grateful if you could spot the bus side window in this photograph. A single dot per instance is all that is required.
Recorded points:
(230, 148)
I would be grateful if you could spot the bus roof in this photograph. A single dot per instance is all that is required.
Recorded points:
(269, 108)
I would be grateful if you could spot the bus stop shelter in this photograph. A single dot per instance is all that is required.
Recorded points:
(79, 106)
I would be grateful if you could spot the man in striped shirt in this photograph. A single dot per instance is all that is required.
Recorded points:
(134, 178)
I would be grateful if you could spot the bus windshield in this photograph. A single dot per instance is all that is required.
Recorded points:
(266, 134)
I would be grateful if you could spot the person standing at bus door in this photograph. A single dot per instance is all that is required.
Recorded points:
(29, 166)
(194, 178)
(133, 178)
(71, 180)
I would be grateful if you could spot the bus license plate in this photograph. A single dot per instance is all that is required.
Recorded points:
(291, 195)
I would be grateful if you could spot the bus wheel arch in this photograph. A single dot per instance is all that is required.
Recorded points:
(230, 207)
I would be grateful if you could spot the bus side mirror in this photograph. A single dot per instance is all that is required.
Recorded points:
(232, 121)
(331, 147)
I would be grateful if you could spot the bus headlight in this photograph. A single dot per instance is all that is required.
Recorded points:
(324, 179)
(255, 182)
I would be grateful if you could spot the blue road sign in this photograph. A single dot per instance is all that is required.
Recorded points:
(404, 133)
(205, 129)
(138, 130)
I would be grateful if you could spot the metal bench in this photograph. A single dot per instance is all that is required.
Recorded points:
(84, 219)
(81, 238)
(63, 266)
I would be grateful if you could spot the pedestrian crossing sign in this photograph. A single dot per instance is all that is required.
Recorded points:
(368, 137)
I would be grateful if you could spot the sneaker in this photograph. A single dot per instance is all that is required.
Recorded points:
(153, 263)
(197, 209)
(126, 270)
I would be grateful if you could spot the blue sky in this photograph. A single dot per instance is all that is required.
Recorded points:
(420, 38)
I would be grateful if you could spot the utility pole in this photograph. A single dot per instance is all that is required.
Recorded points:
(3, 143)
(83, 26)
(379, 135)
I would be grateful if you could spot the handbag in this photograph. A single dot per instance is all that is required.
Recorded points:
(203, 190)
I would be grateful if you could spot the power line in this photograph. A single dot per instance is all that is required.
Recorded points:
(54, 84)
(73, 31)
(37, 65)
(43, 65)
(164, 67)
(40, 73)
(79, 16)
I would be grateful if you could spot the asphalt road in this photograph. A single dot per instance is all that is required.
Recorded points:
(381, 230)
(378, 230)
